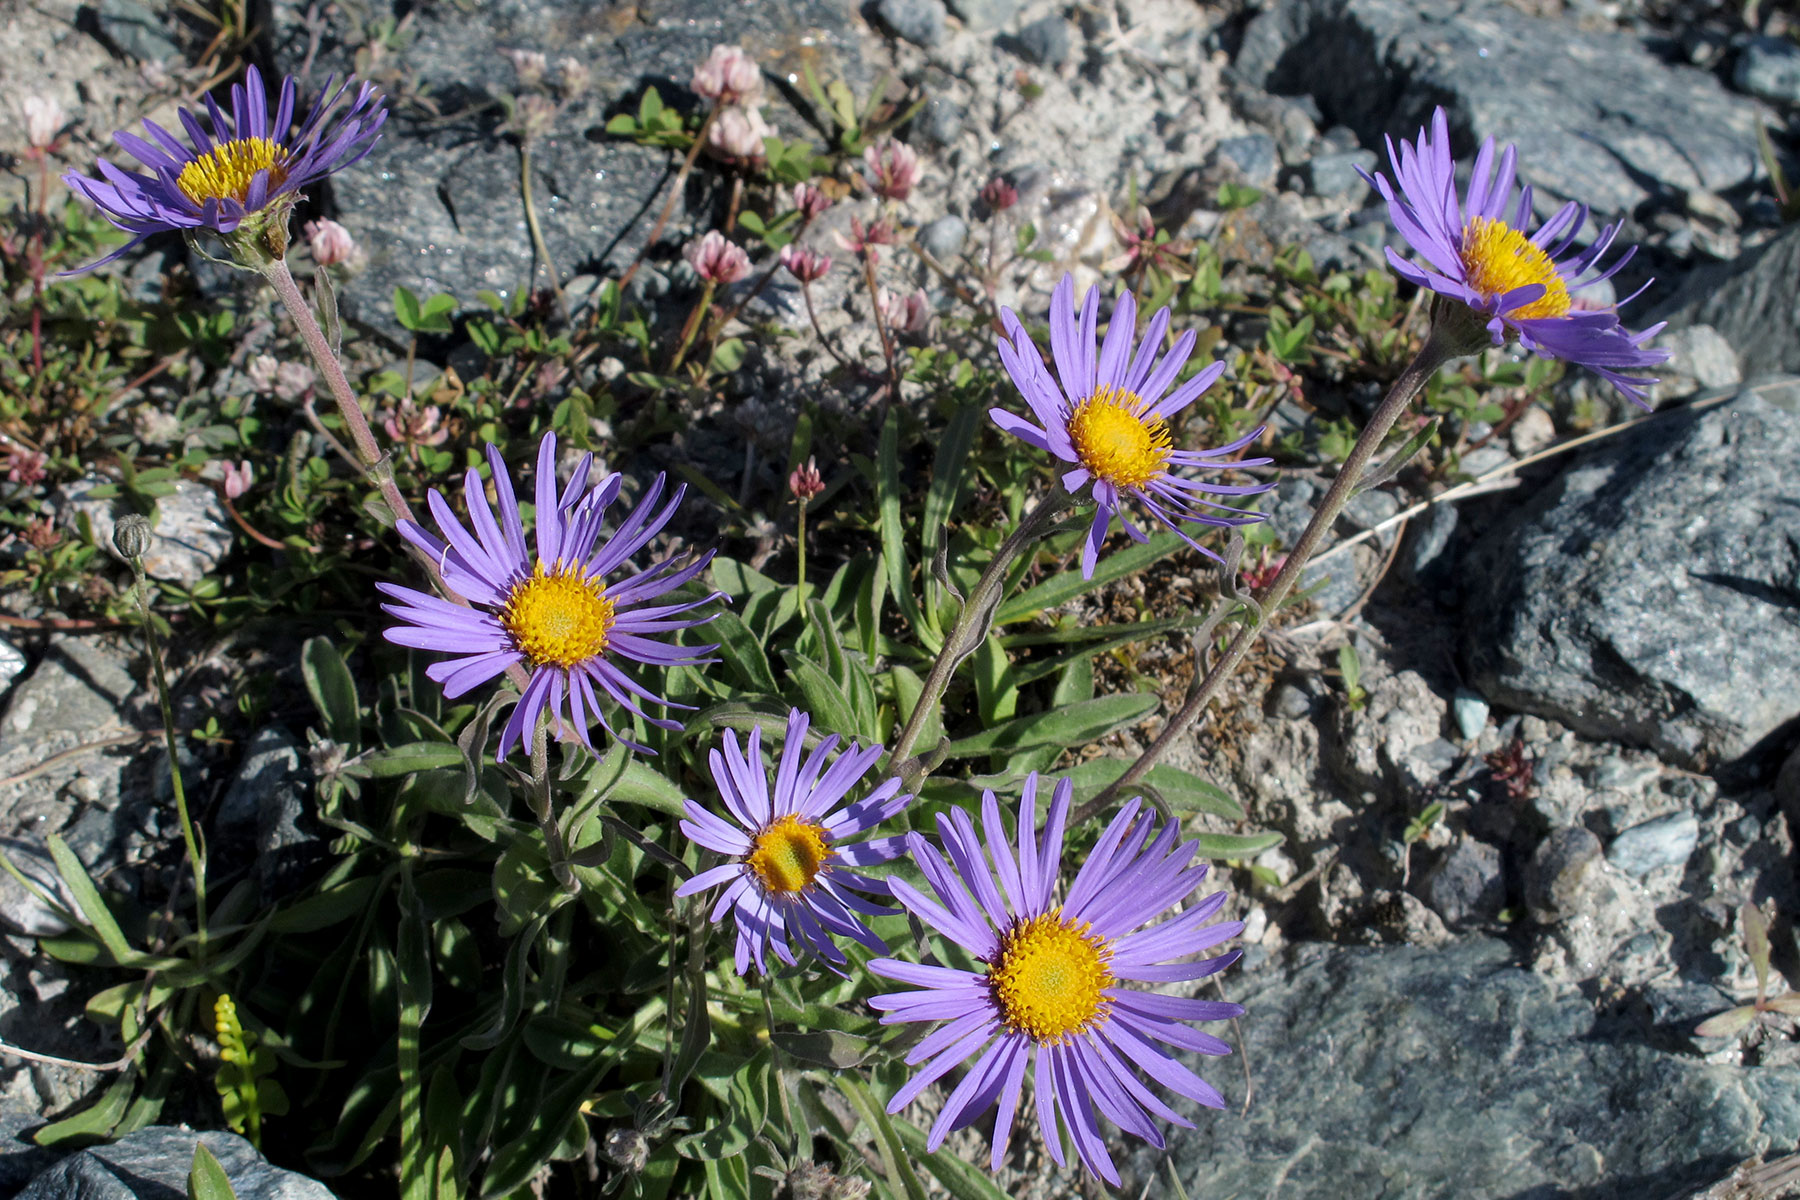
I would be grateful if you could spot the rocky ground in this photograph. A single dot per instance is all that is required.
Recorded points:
(1593, 668)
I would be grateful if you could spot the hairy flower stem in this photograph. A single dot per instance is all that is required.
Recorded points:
(537, 234)
(966, 636)
(813, 315)
(800, 543)
(544, 808)
(693, 325)
(369, 456)
(196, 852)
(887, 342)
(662, 218)
(1441, 345)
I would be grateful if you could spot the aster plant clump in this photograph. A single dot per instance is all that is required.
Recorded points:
(658, 810)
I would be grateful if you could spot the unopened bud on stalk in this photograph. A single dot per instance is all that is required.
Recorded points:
(331, 243)
(626, 1148)
(131, 538)
(44, 119)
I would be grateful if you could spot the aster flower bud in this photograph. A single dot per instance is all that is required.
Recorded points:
(573, 76)
(905, 314)
(44, 119)
(716, 260)
(237, 479)
(892, 169)
(999, 195)
(331, 243)
(737, 134)
(810, 200)
(729, 76)
(803, 264)
(806, 482)
(530, 65)
(131, 537)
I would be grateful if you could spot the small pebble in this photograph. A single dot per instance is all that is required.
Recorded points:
(921, 22)
(1047, 42)
(943, 239)
(1662, 842)
(1470, 710)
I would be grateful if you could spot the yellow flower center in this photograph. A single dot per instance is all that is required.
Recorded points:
(1116, 444)
(558, 617)
(1048, 977)
(225, 171)
(1498, 258)
(789, 854)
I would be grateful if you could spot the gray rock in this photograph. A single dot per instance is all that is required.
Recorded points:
(938, 122)
(983, 15)
(1588, 616)
(1601, 119)
(135, 30)
(921, 22)
(1047, 41)
(1558, 868)
(76, 687)
(1469, 709)
(437, 202)
(12, 664)
(20, 910)
(1468, 885)
(191, 530)
(1663, 842)
(153, 1164)
(1254, 157)
(1428, 558)
(943, 239)
(20, 1157)
(1290, 701)
(1334, 174)
(1769, 67)
(1751, 301)
(1400, 1071)
(266, 810)
(271, 764)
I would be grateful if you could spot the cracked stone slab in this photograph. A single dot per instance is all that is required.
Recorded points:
(438, 205)
(1402, 1071)
(1599, 117)
(1651, 593)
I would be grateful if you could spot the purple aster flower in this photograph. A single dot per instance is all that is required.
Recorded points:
(787, 878)
(1109, 415)
(1477, 253)
(553, 611)
(249, 163)
(1051, 997)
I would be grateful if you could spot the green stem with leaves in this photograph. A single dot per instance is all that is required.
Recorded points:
(196, 852)
(1441, 344)
(966, 636)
